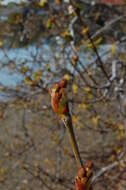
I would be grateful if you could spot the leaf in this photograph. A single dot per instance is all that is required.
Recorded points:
(87, 89)
(120, 132)
(112, 158)
(3, 172)
(37, 75)
(75, 119)
(97, 42)
(75, 88)
(1, 43)
(95, 120)
(58, 2)
(28, 80)
(84, 30)
(113, 48)
(24, 70)
(67, 77)
(74, 59)
(118, 150)
(67, 35)
(49, 24)
(42, 3)
(120, 127)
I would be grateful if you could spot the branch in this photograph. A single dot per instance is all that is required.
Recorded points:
(107, 26)
(107, 168)
(67, 120)
(100, 63)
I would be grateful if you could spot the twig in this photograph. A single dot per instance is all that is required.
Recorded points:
(68, 124)
(77, 11)
(107, 168)
(103, 170)
(107, 26)
(38, 177)
(71, 26)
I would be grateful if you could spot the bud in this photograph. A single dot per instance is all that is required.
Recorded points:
(59, 97)
(83, 179)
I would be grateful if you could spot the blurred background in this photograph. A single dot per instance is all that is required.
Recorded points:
(42, 41)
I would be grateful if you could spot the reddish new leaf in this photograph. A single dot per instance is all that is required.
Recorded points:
(84, 176)
(59, 97)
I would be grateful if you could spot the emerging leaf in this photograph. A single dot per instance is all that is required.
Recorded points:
(75, 88)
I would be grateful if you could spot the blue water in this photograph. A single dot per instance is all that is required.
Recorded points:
(8, 77)
(45, 54)
(5, 2)
(20, 55)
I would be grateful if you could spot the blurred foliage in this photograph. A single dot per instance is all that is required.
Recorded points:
(58, 36)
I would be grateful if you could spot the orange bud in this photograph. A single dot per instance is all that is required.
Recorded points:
(59, 98)
(82, 181)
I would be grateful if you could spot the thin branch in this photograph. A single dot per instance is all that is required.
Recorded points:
(107, 26)
(107, 168)
(100, 63)
(67, 120)
(38, 177)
